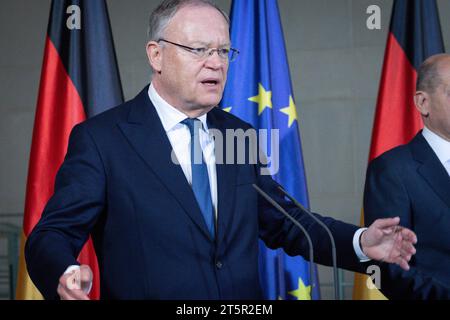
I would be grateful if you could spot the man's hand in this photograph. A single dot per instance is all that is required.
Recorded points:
(75, 285)
(386, 241)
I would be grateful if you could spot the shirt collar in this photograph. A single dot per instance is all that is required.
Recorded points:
(169, 115)
(439, 145)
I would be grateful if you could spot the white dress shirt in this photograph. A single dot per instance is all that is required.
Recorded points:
(180, 139)
(440, 146)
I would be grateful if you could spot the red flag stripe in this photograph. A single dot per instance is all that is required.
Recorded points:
(59, 109)
(396, 118)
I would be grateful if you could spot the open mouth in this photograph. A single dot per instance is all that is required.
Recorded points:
(210, 83)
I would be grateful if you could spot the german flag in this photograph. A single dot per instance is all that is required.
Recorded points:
(415, 34)
(79, 79)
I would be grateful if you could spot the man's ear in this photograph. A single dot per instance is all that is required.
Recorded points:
(154, 55)
(422, 102)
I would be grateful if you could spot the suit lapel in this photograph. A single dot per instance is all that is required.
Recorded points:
(430, 168)
(147, 136)
(226, 177)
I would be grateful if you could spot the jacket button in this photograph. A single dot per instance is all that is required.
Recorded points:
(219, 265)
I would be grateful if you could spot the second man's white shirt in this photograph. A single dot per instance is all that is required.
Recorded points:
(440, 146)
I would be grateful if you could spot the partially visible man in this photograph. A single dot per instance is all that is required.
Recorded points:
(164, 230)
(413, 181)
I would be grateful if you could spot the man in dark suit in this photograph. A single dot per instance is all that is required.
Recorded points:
(185, 229)
(413, 181)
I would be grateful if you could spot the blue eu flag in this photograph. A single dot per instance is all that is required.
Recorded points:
(259, 91)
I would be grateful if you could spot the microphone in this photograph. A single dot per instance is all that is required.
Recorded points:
(311, 250)
(337, 295)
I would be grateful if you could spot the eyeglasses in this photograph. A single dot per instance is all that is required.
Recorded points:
(229, 54)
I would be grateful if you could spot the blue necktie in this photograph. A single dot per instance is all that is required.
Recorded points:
(200, 179)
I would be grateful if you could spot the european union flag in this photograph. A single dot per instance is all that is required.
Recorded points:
(259, 91)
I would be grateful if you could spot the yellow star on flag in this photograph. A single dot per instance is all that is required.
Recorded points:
(263, 99)
(291, 111)
(228, 109)
(303, 292)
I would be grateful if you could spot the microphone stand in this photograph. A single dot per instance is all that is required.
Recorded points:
(311, 250)
(333, 244)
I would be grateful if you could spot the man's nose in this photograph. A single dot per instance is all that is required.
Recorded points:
(214, 61)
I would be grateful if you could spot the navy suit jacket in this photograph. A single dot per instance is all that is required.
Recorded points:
(410, 182)
(119, 185)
